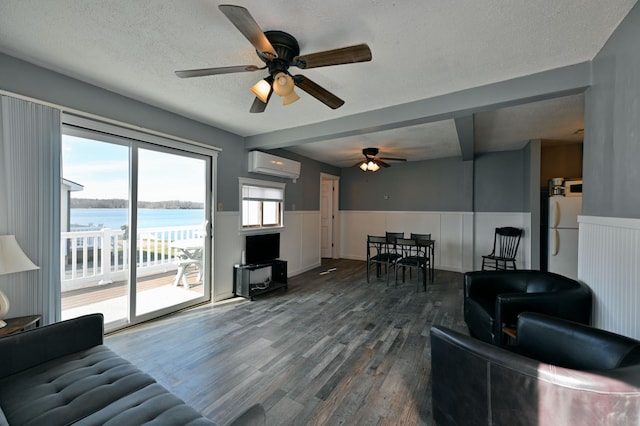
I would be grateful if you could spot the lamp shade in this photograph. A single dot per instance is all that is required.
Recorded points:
(12, 258)
(262, 89)
(283, 86)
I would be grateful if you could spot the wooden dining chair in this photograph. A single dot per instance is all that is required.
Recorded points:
(505, 248)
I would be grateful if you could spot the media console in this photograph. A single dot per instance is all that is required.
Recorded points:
(246, 286)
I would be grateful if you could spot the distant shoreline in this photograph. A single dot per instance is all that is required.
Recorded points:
(115, 203)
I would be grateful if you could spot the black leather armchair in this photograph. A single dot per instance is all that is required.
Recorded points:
(558, 373)
(493, 299)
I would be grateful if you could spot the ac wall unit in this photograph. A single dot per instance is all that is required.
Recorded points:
(267, 164)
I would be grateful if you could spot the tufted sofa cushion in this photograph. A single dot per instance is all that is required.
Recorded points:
(91, 387)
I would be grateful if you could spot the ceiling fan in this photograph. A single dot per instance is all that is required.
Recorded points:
(371, 163)
(279, 50)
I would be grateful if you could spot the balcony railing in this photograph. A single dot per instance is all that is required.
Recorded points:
(92, 258)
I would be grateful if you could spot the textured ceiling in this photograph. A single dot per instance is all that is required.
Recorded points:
(421, 49)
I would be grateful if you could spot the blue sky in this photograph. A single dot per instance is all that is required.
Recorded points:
(103, 169)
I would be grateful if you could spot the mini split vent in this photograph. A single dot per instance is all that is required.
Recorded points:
(267, 164)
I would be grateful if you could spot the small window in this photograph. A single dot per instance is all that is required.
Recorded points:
(261, 204)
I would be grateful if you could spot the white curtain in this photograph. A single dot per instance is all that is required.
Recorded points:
(30, 141)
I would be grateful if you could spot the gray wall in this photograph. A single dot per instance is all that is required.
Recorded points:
(434, 185)
(501, 181)
(494, 182)
(611, 169)
(26, 79)
(305, 193)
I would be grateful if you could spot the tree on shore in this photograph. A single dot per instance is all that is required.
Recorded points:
(116, 203)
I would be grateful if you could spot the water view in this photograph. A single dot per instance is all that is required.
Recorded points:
(96, 218)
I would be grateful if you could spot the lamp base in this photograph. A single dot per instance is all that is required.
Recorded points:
(4, 308)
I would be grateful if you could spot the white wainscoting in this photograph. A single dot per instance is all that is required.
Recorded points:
(300, 241)
(299, 246)
(461, 237)
(228, 246)
(608, 262)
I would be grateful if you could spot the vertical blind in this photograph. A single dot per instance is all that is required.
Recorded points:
(30, 140)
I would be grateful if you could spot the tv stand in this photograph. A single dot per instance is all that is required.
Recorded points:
(245, 287)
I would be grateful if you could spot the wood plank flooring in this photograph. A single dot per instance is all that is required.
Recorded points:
(331, 350)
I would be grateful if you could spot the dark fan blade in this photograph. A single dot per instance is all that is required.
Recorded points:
(344, 55)
(215, 71)
(392, 159)
(259, 106)
(244, 22)
(382, 163)
(318, 92)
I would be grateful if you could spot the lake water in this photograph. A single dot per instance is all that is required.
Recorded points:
(147, 218)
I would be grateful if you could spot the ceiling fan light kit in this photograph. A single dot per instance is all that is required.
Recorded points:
(371, 163)
(279, 50)
(370, 166)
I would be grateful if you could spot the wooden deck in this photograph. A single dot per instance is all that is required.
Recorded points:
(103, 294)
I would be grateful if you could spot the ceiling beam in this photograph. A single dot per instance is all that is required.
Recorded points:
(549, 84)
(464, 127)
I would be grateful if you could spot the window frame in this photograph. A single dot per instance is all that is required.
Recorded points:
(271, 185)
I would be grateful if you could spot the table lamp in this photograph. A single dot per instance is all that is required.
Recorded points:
(12, 259)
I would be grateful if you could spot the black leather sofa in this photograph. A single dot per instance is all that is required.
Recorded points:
(558, 373)
(63, 374)
(493, 299)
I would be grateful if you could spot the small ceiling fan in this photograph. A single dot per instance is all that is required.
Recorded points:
(279, 50)
(371, 163)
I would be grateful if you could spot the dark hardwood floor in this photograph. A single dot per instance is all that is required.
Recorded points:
(331, 350)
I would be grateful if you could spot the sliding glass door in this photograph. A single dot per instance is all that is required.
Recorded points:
(172, 226)
(135, 227)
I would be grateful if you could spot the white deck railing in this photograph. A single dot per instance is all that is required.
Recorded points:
(90, 258)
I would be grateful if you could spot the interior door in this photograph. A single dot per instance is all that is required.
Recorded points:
(326, 218)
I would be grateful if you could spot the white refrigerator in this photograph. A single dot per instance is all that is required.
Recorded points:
(562, 256)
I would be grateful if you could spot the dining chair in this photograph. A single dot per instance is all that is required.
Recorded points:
(420, 236)
(414, 256)
(380, 252)
(505, 248)
(391, 236)
(429, 251)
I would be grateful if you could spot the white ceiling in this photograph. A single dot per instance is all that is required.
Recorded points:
(421, 49)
